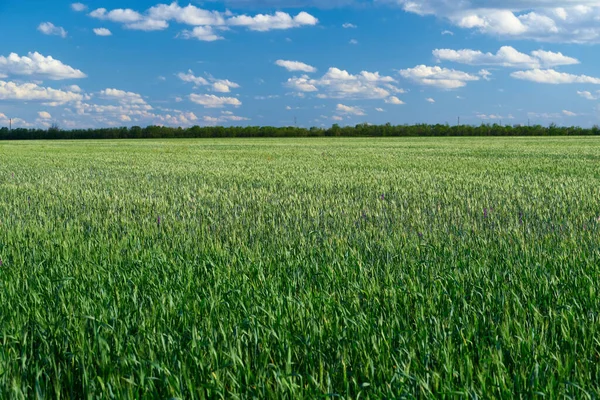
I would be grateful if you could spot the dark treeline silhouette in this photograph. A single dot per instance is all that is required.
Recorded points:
(361, 130)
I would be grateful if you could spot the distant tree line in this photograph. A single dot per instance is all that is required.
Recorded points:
(360, 130)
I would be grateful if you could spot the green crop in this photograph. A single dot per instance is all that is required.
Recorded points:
(300, 268)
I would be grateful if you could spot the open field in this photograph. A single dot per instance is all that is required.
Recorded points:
(300, 268)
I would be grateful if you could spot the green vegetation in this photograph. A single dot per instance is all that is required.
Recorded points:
(300, 268)
(360, 130)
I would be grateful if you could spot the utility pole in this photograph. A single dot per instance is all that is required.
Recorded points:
(458, 121)
(10, 124)
(295, 122)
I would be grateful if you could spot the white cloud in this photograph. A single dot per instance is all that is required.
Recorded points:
(102, 32)
(203, 21)
(348, 25)
(573, 21)
(117, 106)
(217, 85)
(148, 25)
(442, 78)
(279, 20)
(446, 32)
(44, 115)
(545, 115)
(79, 7)
(121, 15)
(337, 118)
(130, 18)
(48, 28)
(35, 64)
(16, 122)
(302, 84)
(494, 116)
(349, 110)
(353, 41)
(340, 84)
(268, 97)
(295, 66)
(485, 74)
(74, 89)
(379, 109)
(33, 92)
(551, 59)
(191, 78)
(551, 76)
(430, 100)
(203, 33)
(189, 15)
(225, 117)
(393, 100)
(588, 95)
(507, 56)
(569, 113)
(212, 101)
(223, 85)
(125, 98)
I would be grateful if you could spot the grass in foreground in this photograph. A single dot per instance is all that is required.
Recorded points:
(357, 268)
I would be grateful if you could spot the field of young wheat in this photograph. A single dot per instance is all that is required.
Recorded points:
(300, 268)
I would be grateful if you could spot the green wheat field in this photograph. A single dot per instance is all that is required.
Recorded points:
(300, 268)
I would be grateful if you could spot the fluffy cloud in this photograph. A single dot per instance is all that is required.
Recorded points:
(16, 122)
(279, 20)
(189, 15)
(442, 78)
(148, 25)
(115, 106)
(204, 21)
(191, 78)
(212, 101)
(569, 113)
(349, 110)
(340, 84)
(551, 76)
(102, 32)
(202, 33)
(74, 89)
(44, 115)
(394, 100)
(225, 117)
(588, 95)
(79, 7)
(125, 98)
(33, 92)
(302, 84)
(48, 28)
(572, 21)
(507, 56)
(35, 64)
(130, 19)
(430, 100)
(217, 85)
(348, 25)
(295, 66)
(224, 85)
(126, 16)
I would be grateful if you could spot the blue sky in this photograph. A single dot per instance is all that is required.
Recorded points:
(315, 63)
